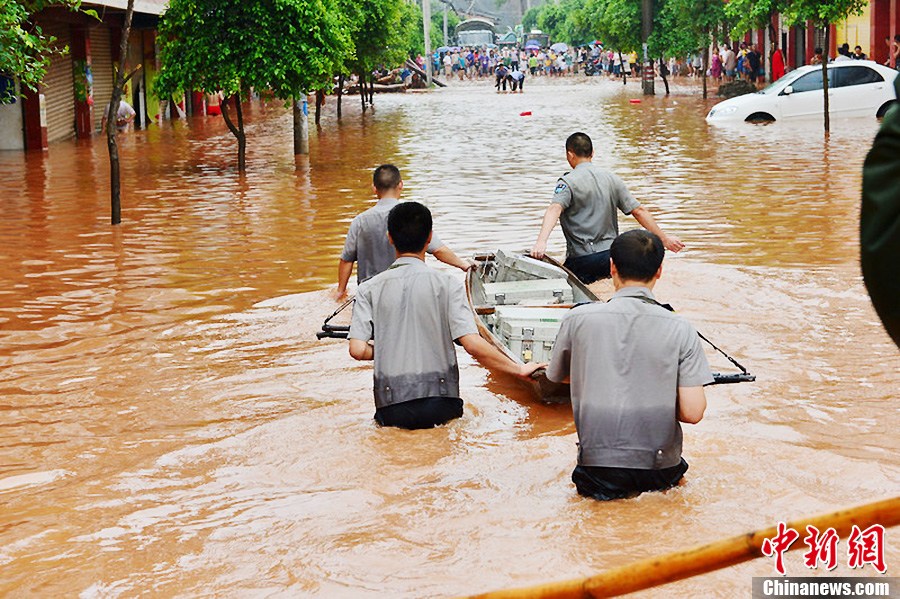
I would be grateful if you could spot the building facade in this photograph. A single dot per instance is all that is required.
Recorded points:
(78, 86)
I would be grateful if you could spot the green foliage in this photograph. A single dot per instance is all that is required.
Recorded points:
(753, 14)
(530, 18)
(822, 12)
(287, 46)
(25, 50)
(684, 26)
(381, 30)
(616, 22)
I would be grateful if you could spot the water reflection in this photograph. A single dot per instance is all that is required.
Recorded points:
(164, 397)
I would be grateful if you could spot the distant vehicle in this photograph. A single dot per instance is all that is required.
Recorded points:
(539, 36)
(855, 88)
(475, 32)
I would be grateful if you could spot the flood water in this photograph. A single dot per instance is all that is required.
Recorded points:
(169, 426)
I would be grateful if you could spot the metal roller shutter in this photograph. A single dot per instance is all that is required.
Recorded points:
(59, 93)
(102, 69)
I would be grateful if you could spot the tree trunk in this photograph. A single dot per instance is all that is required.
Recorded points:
(237, 131)
(301, 126)
(622, 68)
(372, 91)
(646, 32)
(705, 66)
(320, 99)
(340, 94)
(362, 93)
(115, 181)
(662, 73)
(773, 45)
(825, 75)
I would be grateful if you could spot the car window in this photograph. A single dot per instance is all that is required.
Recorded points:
(809, 82)
(856, 75)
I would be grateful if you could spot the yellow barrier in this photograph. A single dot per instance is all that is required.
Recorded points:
(684, 564)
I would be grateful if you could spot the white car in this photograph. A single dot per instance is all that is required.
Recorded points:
(855, 88)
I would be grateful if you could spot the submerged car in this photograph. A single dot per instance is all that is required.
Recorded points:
(855, 88)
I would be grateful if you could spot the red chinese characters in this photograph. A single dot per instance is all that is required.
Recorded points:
(779, 544)
(822, 548)
(866, 547)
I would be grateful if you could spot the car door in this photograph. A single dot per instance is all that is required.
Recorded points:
(858, 91)
(805, 99)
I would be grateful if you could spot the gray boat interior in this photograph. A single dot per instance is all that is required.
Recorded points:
(522, 301)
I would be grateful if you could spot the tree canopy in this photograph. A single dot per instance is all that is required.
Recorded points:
(286, 46)
(25, 50)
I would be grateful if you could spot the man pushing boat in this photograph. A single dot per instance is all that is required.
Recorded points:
(416, 313)
(367, 242)
(585, 202)
(636, 371)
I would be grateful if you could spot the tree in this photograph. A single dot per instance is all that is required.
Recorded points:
(685, 26)
(112, 126)
(380, 31)
(822, 13)
(757, 14)
(286, 46)
(25, 50)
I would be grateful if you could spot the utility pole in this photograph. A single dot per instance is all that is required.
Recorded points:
(426, 25)
(446, 39)
(646, 29)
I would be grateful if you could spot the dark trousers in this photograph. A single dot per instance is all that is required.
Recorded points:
(590, 268)
(604, 484)
(425, 412)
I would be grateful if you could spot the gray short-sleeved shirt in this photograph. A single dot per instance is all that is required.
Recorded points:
(626, 359)
(414, 313)
(590, 196)
(367, 243)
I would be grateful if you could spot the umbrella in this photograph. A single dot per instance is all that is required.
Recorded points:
(559, 47)
(443, 49)
(532, 44)
(490, 46)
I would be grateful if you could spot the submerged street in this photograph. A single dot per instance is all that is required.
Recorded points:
(169, 424)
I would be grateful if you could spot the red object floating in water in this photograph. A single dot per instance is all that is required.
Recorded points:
(526, 113)
(634, 101)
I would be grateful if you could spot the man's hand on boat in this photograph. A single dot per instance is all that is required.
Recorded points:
(339, 295)
(493, 359)
(527, 370)
(539, 249)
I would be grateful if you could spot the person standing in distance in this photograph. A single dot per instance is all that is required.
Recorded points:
(585, 202)
(415, 314)
(367, 243)
(636, 371)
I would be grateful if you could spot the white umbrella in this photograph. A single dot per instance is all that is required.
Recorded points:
(559, 47)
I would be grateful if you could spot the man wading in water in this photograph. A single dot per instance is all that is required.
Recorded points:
(367, 242)
(415, 314)
(585, 203)
(636, 371)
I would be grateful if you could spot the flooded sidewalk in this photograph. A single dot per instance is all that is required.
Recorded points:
(170, 426)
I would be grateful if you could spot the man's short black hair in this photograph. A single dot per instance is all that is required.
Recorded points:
(386, 176)
(580, 145)
(637, 255)
(409, 224)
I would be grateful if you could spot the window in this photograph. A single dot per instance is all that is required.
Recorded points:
(856, 75)
(809, 82)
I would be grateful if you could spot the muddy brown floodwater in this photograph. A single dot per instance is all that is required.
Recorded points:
(169, 426)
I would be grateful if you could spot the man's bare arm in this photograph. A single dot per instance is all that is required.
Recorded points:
(361, 350)
(492, 358)
(643, 216)
(447, 256)
(551, 217)
(691, 404)
(345, 269)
